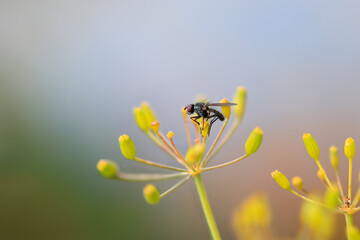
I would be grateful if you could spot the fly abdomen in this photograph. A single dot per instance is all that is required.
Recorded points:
(221, 117)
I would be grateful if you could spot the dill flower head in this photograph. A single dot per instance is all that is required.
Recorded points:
(198, 155)
(335, 198)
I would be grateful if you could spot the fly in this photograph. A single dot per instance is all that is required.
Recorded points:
(204, 110)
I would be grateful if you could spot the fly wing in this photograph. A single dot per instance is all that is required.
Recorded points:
(221, 104)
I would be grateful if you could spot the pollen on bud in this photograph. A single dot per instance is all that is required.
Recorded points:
(140, 119)
(334, 157)
(311, 146)
(281, 180)
(155, 125)
(226, 110)
(127, 146)
(349, 148)
(184, 112)
(321, 174)
(194, 153)
(148, 112)
(297, 182)
(108, 169)
(170, 134)
(254, 141)
(240, 100)
(151, 194)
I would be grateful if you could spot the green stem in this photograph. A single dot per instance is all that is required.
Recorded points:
(226, 164)
(339, 183)
(154, 164)
(175, 186)
(206, 207)
(313, 201)
(326, 177)
(226, 138)
(349, 223)
(206, 160)
(350, 173)
(134, 177)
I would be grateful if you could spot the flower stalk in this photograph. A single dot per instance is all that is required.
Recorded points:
(206, 208)
(195, 161)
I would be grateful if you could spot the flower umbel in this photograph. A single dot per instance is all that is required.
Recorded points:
(334, 197)
(196, 159)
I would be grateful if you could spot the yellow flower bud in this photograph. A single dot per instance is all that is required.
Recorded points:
(321, 174)
(204, 128)
(349, 148)
(108, 169)
(311, 146)
(312, 216)
(170, 134)
(281, 180)
(226, 110)
(148, 112)
(194, 154)
(141, 119)
(254, 141)
(155, 125)
(297, 182)
(151, 194)
(253, 213)
(240, 100)
(331, 197)
(334, 157)
(184, 112)
(127, 146)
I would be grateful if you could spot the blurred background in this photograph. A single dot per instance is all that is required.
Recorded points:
(72, 71)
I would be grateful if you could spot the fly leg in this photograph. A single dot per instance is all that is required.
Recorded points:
(194, 118)
(215, 117)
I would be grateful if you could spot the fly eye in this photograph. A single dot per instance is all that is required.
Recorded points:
(190, 108)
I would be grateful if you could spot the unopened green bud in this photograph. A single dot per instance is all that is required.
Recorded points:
(108, 169)
(331, 198)
(349, 148)
(194, 154)
(240, 100)
(297, 182)
(148, 112)
(226, 110)
(151, 194)
(353, 233)
(312, 216)
(281, 180)
(321, 174)
(127, 146)
(140, 119)
(311, 146)
(253, 211)
(204, 126)
(254, 141)
(334, 157)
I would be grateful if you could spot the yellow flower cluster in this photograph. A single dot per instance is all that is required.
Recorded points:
(334, 198)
